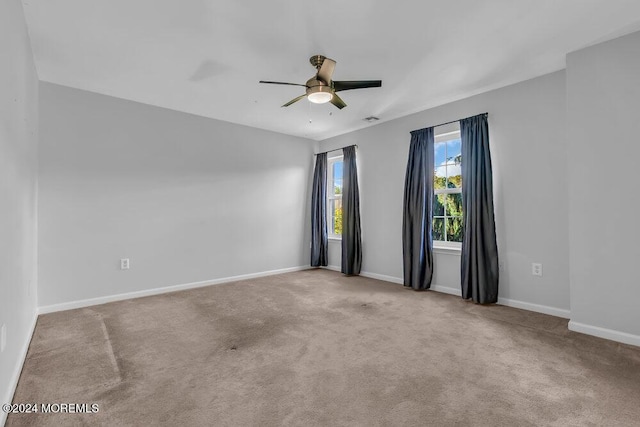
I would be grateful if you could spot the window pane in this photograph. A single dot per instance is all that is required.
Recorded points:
(454, 148)
(438, 204)
(453, 204)
(337, 178)
(454, 229)
(438, 228)
(439, 167)
(454, 176)
(454, 159)
(331, 220)
(440, 153)
(337, 216)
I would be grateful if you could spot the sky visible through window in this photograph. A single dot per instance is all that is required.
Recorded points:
(454, 148)
(337, 175)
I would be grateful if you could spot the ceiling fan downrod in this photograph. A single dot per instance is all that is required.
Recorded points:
(317, 60)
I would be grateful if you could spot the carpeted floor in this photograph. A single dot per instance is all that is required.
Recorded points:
(315, 348)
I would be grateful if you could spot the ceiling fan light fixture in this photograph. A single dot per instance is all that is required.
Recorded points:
(318, 92)
(319, 96)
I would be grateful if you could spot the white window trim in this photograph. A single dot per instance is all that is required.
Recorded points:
(331, 196)
(455, 190)
(445, 246)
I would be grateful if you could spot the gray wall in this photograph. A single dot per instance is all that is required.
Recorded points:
(603, 112)
(185, 198)
(18, 189)
(527, 133)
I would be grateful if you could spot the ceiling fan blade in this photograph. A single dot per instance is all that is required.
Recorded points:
(356, 84)
(282, 83)
(326, 70)
(294, 100)
(338, 102)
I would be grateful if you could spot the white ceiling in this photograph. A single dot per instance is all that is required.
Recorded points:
(206, 56)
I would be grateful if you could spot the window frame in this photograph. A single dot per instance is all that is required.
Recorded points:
(443, 137)
(331, 160)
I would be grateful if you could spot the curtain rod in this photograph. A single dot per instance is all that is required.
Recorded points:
(336, 149)
(453, 121)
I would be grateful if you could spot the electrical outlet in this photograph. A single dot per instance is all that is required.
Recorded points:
(3, 337)
(501, 266)
(124, 264)
(536, 269)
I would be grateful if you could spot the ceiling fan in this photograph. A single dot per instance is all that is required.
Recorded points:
(321, 89)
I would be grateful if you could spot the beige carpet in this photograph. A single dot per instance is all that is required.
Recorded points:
(315, 348)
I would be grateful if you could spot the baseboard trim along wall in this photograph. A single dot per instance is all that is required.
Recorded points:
(18, 368)
(156, 291)
(370, 275)
(381, 277)
(605, 333)
(544, 309)
(447, 290)
(553, 311)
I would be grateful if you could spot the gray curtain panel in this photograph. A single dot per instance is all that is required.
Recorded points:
(417, 240)
(351, 239)
(319, 238)
(479, 261)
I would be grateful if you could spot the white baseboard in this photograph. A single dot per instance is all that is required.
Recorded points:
(18, 368)
(382, 277)
(553, 311)
(446, 290)
(605, 333)
(369, 275)
(156, 291)
(544, 309)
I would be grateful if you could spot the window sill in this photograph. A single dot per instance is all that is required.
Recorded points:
(335, 239)
(449, 250)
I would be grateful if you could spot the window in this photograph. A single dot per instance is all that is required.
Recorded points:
(334, 197)
(447, 188)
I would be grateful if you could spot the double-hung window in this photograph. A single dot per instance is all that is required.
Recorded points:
(334, 197)
(447, 188)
